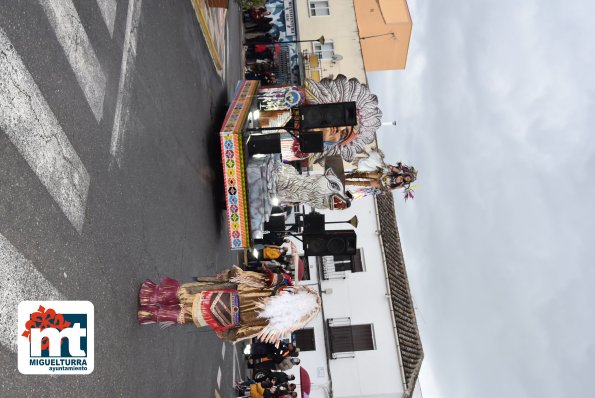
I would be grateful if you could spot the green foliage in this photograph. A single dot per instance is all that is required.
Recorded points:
(247, 4)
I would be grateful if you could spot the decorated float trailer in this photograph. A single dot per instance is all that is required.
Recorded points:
(269, 130)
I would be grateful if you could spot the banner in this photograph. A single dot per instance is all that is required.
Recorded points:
(289, 17)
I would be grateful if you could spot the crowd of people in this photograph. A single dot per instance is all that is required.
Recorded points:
(269, 363)
(277, 262)
(260, 45)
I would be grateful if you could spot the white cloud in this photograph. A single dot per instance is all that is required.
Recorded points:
(495, 110)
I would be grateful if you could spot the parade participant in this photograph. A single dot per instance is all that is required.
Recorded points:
(277, 356)
(373, 177)
(277, 377)
(271, 252)
(237, 304)
(288, 363)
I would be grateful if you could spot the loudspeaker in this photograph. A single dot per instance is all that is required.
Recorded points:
(331, 243)
(328, 115)
(313, 223)
(311, 142)
(264, 144)
(276, 223)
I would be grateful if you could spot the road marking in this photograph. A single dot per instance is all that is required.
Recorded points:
(108, 12)
(19, 281)
(34, 130)
(223, 351)
(77, 47)
(125, 84)
(233, 366)
(219, 377)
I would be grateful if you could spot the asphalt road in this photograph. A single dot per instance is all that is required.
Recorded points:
(153, 210)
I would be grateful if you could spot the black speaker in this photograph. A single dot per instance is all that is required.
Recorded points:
(331, 243)
(311, 142)
(328, 115)
(264, 144)
(313, 223)
(276, 223)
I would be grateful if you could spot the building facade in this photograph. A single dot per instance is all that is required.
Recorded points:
(340, 53)
(385, 32)
(365, 342)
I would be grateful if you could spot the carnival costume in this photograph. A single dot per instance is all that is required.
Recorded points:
(373, 169)
(236, 304)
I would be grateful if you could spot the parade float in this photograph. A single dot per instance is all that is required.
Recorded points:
(269, 134)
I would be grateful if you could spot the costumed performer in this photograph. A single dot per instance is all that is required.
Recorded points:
(373, 177)
(237, 304)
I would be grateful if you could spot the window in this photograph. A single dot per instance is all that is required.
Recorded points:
(351, 338)
(344, 262)
(324, 51)
(304, 339)
(319, 8)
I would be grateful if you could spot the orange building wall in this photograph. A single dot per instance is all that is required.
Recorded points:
(377, 17)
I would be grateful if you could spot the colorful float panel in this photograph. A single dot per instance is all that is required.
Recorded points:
(232, 155)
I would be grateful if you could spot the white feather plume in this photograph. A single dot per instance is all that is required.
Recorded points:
(288, 311)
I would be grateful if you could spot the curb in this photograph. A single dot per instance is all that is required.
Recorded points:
(198, 6)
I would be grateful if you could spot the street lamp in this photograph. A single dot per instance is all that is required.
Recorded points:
(384, 34)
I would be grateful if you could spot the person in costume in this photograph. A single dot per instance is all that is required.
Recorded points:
(276, 376)
(373, 177)
(237, 304)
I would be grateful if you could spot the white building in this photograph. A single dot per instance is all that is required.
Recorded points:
(365, 343)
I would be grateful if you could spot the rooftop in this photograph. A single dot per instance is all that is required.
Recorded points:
(410, 349)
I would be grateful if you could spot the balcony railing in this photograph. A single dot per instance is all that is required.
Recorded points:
(329, 271)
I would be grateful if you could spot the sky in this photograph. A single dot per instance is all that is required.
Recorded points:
(496, 109)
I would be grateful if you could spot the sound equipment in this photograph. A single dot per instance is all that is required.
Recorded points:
(331, 243)
(328, 115)
(313, 223)
(311, 142)
(276, 223)
(264, 144)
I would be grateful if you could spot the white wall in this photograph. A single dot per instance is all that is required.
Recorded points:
(362, 297)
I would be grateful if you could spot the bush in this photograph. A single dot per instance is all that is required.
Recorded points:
(247, 4)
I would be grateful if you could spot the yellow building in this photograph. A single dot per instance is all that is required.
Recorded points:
(359, 36)
(341, 52)
(385, 30)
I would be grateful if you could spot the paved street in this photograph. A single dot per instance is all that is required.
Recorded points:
(109, 174)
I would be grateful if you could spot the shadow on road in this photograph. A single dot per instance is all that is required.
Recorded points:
(218, 110)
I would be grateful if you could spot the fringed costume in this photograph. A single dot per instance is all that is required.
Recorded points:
(236, 304)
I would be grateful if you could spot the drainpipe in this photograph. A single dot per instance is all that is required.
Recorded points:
(388, 296)
(327, 390)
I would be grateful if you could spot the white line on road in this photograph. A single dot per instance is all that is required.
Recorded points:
(233, 366)
(34, 130)
(19, 281)
(223, 351)
(219, 377)
(128, 58)
(81, 56)
(108, 12)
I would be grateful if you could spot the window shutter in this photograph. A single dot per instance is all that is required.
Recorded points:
(352, 338)
(304, 339)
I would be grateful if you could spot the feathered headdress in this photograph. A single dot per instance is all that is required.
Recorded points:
(369, 115)
(408, 189)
